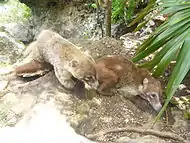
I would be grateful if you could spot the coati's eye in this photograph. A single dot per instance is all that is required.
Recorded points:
(89, 78)
(153, 95)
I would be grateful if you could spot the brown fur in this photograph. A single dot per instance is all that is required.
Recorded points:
(32, 67)
(117, 73)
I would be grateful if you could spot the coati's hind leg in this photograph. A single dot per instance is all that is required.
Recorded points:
(64, 77)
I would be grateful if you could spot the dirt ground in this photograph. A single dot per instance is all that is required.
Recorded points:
(96, 112)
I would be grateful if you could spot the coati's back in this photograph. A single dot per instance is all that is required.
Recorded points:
(55, 48)
(127, 71)
(123, 67)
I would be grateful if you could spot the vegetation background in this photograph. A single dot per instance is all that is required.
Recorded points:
(169, 42)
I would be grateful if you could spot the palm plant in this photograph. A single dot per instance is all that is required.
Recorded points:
(169, 42)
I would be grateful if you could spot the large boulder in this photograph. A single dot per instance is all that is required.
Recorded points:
(42, 124)
(20, 31)
(10, 49)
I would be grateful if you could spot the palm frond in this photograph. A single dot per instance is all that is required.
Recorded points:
(170, 41)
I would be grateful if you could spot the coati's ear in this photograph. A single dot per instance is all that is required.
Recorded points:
(74, 63)
(145, 83)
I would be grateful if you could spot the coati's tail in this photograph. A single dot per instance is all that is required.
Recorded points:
(30, 67)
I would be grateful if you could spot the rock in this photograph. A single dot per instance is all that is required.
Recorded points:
(144, 139)
(131, 41)
(150, 139)
(10, 49)
(20, 31)
(118, 30)
(3, 85)
(182, 87)
(19, 104)
(71, 19)
(48, 125)
(126, 140)
(7, 117)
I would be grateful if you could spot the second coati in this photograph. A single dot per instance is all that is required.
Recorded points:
(66, 59)
(117, 73)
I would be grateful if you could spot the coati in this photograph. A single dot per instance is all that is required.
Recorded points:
(67, 59)
(117, 73)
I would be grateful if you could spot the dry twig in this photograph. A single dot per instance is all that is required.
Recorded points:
(167, 135)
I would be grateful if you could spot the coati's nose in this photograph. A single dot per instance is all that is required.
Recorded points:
(157, 107)
(154, 100)
(94, 85)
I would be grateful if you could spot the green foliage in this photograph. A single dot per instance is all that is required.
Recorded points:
(143, 13)
(123, 10)
(14, 11)
(170, 41)
(118, 10)
(93, 5)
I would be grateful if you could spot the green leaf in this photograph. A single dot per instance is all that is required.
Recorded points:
(94, 5)
(168, 57)
(175, 8)
(162, 38)
(175, 41)
(140, 26)
(179, 17)
(173, 46)
(143, 12)
(180, 70)
(147, 42)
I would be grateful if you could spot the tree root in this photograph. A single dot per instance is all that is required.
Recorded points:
(167, 135)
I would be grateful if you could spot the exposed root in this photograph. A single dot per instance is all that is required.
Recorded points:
(167, 135)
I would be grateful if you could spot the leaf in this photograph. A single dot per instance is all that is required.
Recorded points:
(162, 38)
(180, 70)
(147, 42)
(179, 16)
(175, 8)
(94, 5)
(140, 26)
(144, 12)
(168, 57)
(173, 46)
(176, 40)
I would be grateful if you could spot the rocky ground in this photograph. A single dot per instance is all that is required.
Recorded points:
(94, 113)
(120, 120)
